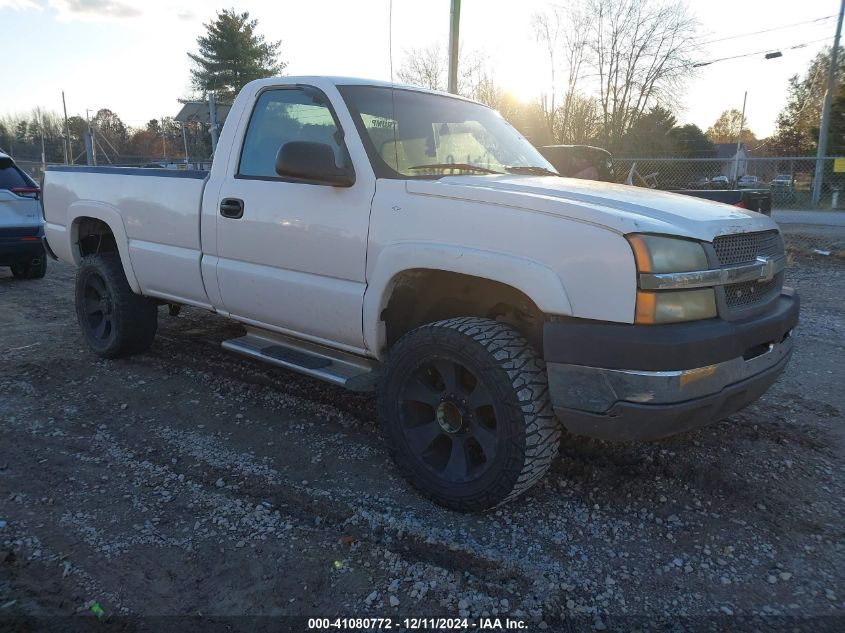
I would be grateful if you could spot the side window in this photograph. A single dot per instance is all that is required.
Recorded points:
(281, 116)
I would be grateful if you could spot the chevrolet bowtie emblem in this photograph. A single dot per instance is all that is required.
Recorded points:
(767, 270)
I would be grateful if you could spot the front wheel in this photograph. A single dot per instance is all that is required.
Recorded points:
(465, 411)
(114, 320)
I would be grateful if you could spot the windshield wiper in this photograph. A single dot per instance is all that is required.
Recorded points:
(531, 170)
(460, 166)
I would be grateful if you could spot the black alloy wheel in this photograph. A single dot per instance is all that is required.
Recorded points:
(97, 308)
(448, 418)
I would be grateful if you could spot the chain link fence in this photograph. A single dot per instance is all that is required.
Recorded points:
(790, 179)
(33, 168)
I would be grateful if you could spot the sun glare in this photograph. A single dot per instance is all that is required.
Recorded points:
(524, 81)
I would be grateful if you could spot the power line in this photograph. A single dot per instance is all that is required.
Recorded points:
(768, 50)
(693, 45)
(776, 28)
(722, 59)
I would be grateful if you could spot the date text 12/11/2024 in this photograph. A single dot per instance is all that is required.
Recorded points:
(437, 624)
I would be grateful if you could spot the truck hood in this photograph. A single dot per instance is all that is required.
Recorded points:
(620, 208)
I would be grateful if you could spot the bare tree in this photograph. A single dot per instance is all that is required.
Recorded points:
(488, 92)
(475, 79)
(579, 121)
(428, 67)
(564, 33)
(642, 52)
(575, 56)
(726, 128)
(548, 28)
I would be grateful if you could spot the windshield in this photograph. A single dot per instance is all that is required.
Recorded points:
(410, 134)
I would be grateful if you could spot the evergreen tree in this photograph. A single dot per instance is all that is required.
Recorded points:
(798, 123)
(650, 134)
(231, 54)
(112, 127)
(690, 141)
(22, 131)
(836, 131)
(5, 138)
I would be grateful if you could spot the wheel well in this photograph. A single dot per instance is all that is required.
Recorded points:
(422, 296)
(94, 236)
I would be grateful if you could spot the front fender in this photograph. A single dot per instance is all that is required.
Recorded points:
(111, 216)
(539, 282)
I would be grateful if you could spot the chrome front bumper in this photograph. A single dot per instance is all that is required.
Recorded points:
(640, 405)
(597, 390)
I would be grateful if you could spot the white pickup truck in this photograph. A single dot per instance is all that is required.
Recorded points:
(411, 242)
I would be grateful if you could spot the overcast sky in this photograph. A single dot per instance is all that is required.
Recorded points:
(130, 56)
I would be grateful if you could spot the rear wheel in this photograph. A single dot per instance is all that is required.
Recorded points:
(114, 320)
(464, 409)
(35, 269)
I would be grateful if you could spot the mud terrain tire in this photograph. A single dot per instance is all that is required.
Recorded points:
(114, 320)
(464, 409)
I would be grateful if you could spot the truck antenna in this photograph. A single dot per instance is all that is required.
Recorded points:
(393, 85)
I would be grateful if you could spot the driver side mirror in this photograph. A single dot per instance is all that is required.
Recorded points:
(312, 163)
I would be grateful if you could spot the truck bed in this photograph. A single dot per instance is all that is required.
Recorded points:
(158, 210)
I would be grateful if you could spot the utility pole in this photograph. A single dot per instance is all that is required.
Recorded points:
(43, 152)
(454, 27)
(68, 146)
(185, 144)
(90, 142)
(163, 140)
(212, 119)
(739, 136)
(825, 122)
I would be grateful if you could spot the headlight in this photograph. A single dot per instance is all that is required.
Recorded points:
(673, 306)
(657, 254)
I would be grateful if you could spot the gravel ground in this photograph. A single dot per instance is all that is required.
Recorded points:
(190, 481)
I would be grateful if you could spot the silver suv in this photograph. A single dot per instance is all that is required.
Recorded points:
(21, 222)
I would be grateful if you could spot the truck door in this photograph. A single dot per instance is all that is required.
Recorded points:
(292, 255)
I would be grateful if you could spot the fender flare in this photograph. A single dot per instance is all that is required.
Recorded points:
(537, 281)
(111, 216)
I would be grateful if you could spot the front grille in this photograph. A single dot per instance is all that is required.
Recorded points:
(743, 248)
(746, 247)
(749, 293)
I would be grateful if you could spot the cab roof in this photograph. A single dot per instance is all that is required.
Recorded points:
(354, 81)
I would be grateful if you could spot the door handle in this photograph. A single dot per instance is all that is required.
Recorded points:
(232, 208)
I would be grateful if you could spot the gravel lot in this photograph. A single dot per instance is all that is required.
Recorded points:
(190, 481)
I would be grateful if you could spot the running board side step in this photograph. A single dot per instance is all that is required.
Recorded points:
(340, 368)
